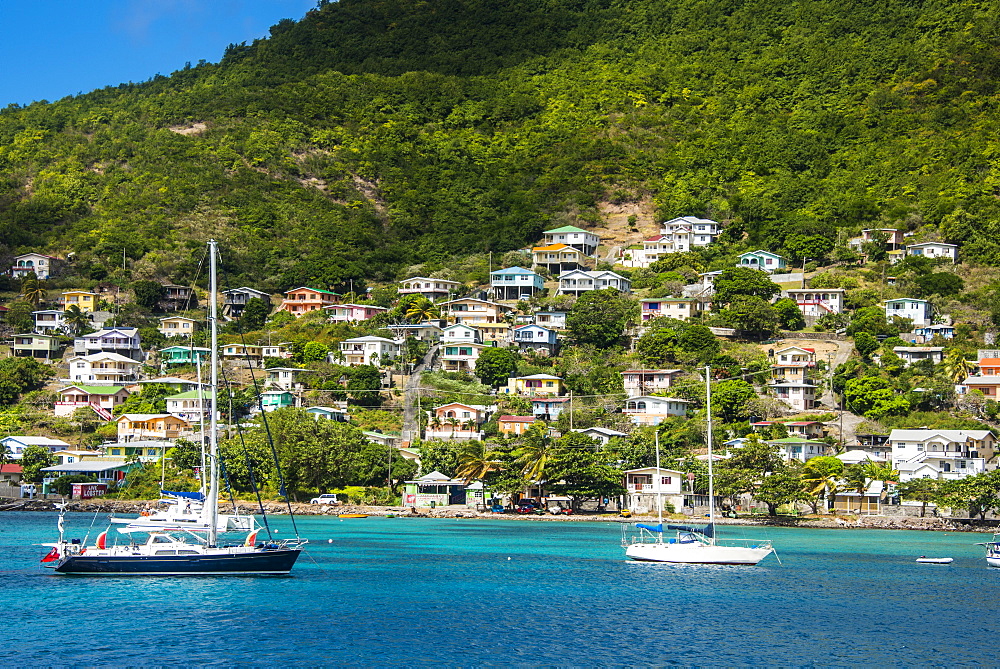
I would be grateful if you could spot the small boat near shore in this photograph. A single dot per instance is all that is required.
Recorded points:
(923, 559)
(992, 551)
(352, 515)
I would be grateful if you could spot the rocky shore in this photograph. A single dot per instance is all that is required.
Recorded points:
(128, 507)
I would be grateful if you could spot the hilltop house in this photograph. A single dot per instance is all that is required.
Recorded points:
(44, 267)
(534, 384)
(370, 350)
(581, 240)
(681, 308)
(102, 399)
(921, 312)
(122, 340)
(49, 321)
(686, 233)
(456, 421)
(557, 258)
(36, 346)
(536, 338)
(793, 363)
(177, 326)
(817, 302)
(940, 454)
(934, 250)
(578, 281)
(284, 377)
(645, 381)
(302, 300)
(84, 299)
(912, 354)
(352, 313)
(551, 319)
(928, 332)
(235, 301)
(145, 426)
(432, 289)
(515, 283)
(279, 350)
(894, 239)
(762, 260)
(177, 298)
(651, 410)
(472, 311)
(101, 368)
(427, 332)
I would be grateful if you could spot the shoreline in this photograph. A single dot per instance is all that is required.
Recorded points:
(933, 524)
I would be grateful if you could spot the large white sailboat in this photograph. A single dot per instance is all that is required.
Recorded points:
(173, 551)
(690, 544)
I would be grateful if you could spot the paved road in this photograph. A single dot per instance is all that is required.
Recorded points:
(410, 424)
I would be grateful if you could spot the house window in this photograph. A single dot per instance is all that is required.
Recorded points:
(665, 480)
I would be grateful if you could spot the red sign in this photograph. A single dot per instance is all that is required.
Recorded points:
(88, 490)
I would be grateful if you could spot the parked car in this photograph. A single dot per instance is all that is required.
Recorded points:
(327, 498)
(527, 506)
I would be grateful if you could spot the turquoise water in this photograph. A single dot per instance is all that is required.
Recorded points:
(443, 592)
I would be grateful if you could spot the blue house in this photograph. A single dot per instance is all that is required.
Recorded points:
(535, 338)
(276, 399)
(548, 408)
(763, 260)
(515, 283)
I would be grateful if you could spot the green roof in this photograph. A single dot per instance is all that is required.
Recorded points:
(565, 228)
(192, 395)
(96, 390)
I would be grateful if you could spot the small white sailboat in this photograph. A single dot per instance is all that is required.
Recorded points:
(992, 551)
(184, 511)
(692, 545)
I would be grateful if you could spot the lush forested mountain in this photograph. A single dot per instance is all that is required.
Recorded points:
(373, 134)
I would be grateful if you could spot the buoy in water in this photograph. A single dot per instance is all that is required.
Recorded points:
(329, 541)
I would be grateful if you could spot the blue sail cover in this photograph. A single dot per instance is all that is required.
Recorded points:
(186, 495)
(708, 530)
(651, 528)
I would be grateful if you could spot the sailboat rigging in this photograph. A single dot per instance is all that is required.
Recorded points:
(185, 550)
(690, 544)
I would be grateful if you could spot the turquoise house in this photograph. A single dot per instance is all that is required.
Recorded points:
(183, 355)
(272, 400)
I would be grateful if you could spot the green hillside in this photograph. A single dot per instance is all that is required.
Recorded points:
(371, 135)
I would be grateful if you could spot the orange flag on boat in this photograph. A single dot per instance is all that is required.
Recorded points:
(52, 556)
(251, 539)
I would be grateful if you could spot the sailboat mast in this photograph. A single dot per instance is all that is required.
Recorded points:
(659, 479)
(711, 478)
(201, 403)
(212, 503)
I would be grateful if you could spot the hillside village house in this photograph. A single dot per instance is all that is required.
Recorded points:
(798, 448)
(534, 385)
(536, 338)
(284, 377)
(272, 400)
(986, 384)
(302, 300)
(105, 471)
(800, 395)
(336, 414)
(651, 410)
(557, 258)
(601, 434)
(432, 289)
(934, 250)
(456, 421)
(912, 354)
(44, 267)
(145, 426)
(427, 332)
(581, 240)
(15, 445)
(102, 399)
(794, 363)
(500, 333)
(895, 239)
(184, 355)
(174, 383)
(122, 340)
(551, 319)
(280, 350)
(177, 298)
(514, 425)
(919, 311)
(369, 350)
(940, 454)
(458, 357)
(928, 332)
(646, 381)
(645, 254)
(462, 334)
(177, 326)
(817, 302)
(646, 485)
(36, 346)
(763, 260)
(235, 301)
(242, 352)
(103, 368)
(578, 281)
(515, 283)
(49, 321)
(146, 450)
(681, 308)
(472, 311)
(352, 313)
(810, 429)
(191, 406)
(84, 299)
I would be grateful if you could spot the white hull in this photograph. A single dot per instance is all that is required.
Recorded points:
(935, 560)
(993, 561)
(696, 553)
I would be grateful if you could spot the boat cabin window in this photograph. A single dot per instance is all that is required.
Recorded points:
(187, 552)
(165, 552)
(159, 539)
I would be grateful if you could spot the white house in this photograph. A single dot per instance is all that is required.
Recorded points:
(689, 232)
(460, 357)
(940, 454)
(515, 283)
(428, 332)
(122, 340)
(49, 321)
(432, 289)
(763, 260)
(933, 250)
(284, 377)
(817, 302)
(912, 354)
(919, 311)
(15, 445)
(579, 281)
(177, 326)
(473, 311)
(681, 308)
(43, 266)
(644, 381)
(644, 485)
(551, 319)
(103, 368)
(191, 406)
(797, 448)
(460, 332)
(601, 434)
(581, 240)
(651, 410)
(369, 350)
(894, 239)
(797, 394)
(535, 338)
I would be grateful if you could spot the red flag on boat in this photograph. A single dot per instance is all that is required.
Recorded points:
(251, 540)
(102, 539)
(52, 556)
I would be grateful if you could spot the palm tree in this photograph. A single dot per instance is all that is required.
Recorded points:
(33, 290)
(821, 476)
(956, 366)
(469, 424)
(535, 455)
(454, 423)
(76, 318)
(856, 479)
(885, 473)
(421, 310)
(475, 461)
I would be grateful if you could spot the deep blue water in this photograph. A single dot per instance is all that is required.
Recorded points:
(443, 592)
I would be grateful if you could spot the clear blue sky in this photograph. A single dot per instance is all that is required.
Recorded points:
(51, 49)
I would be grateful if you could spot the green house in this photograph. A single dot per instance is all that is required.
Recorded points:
(183, 355)
(276, 399)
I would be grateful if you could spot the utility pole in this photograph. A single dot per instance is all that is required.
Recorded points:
(571, 411)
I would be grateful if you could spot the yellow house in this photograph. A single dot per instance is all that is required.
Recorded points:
(144, 426)
(535, 385)
(177, 326)
(87, 301)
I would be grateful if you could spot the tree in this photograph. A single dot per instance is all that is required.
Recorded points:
(254, 314)
(956, 366)
(363, 386)
(582, 474)
(314, 351)
(536, 453)
(777, 489)
(857, 480)
(871, 320)
(808, 247)
(76, 319)
(33, 290)
(19, 316)
(877, 248)
(865, 344)
(730, 400)
(476, 461)
(420, 310)
(820, 476)
(747, 468)
(751, 317)
(921, 490)
(599, 317)
(874, 398)
(64, 484)
(19, 376)
(495, 365)
(939, 283)
(33, 459)
(148, 294)
(438, 455)
(743, 282)
(185, 454)
(789, 315)
(980, 494)
(882, 472)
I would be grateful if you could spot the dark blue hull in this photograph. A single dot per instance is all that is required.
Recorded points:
(278, 561)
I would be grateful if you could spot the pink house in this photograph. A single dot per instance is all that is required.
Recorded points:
(352, 313)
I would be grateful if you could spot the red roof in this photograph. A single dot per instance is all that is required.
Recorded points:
(516, 419)
(989, 361)
(11, 469)
(655, 239)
